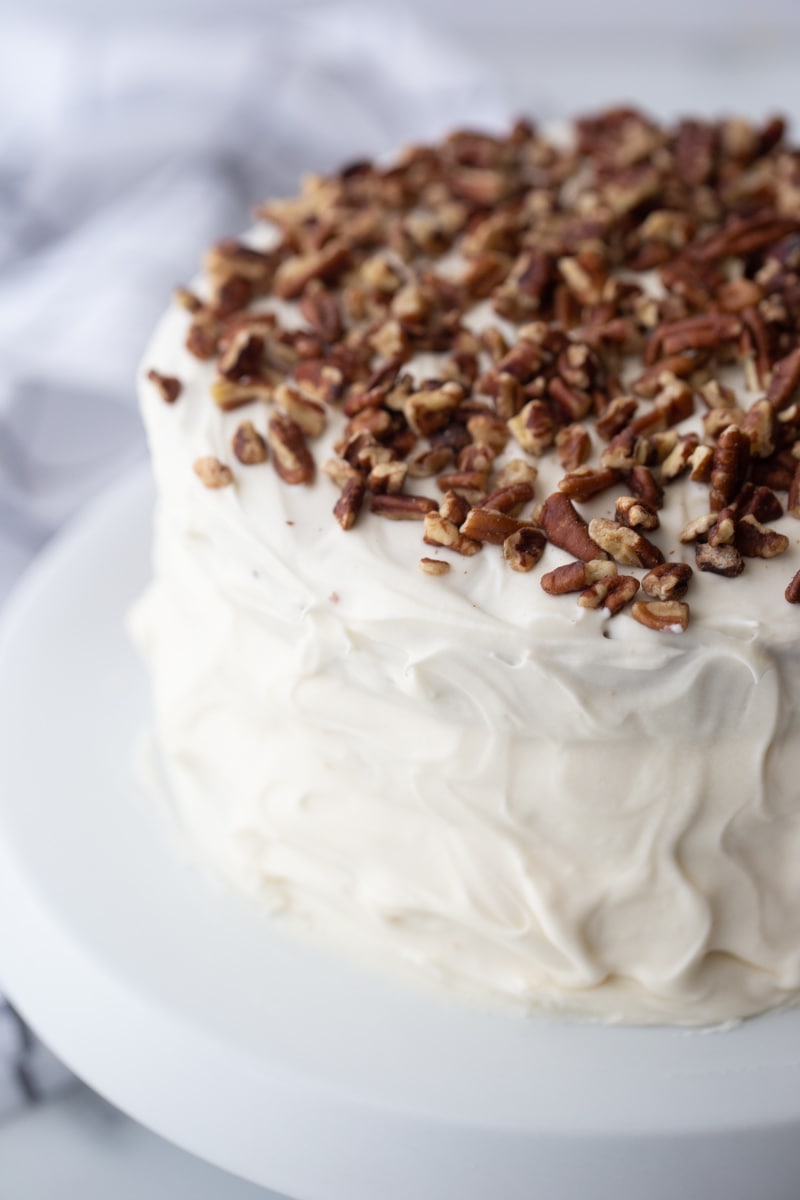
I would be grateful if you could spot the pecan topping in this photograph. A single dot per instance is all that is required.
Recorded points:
(720, 560)
(755, 540)
(212, 472)
(534, 427)
(510, 499)
(793, 503)
(573, 446)
(348, 505)
(248, 445)
(515, 471)
(729, 467)
(638, 514)
(644, 487)
(625, 545)
(439, 531)
(307, 414)
(666, 616)
(489, 525)
(228, 394)
(667, 581)
(388, 478)
(566, 528)
(585, 482)
(792, 592)
(785, 380)
(434, 566)
(611, 593)
(168, 387)
(402, 508)
(575, 576)
(697, 530)
(290, 454)
(523, 548)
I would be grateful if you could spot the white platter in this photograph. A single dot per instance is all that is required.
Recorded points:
(184, 1005)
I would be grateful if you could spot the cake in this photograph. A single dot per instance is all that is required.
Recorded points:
(467, 645)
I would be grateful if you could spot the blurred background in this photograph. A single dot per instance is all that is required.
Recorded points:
(134, 134)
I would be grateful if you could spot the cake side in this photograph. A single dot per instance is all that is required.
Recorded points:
(556, 805)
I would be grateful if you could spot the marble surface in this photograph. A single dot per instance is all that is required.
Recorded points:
(126, 153)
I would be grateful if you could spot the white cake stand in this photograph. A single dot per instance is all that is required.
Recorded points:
(185, 1006)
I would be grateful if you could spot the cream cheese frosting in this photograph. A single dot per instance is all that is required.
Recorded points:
(534, 801)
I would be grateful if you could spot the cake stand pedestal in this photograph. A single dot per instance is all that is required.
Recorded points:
(186, 1007)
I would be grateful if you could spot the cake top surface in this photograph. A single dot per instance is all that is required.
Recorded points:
(540, 369)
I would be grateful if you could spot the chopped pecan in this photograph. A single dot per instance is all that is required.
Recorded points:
(572, 403)
(309, 415)
(762, 503)
(402, 507)
(785, 380)
(439, 531)
(523, 548)
(454, 508)
(509, 499)
(489, 525)
(667, 581)
(575, 576)
(723, 531)
(720, 560)
(619, 413)
(168, 387)
(573, 446)
(319, 381)
(248, 445)
(625, 545)
(489, 430)
(585, 482)
(339, 470)
(793, 502)
(644, 487)
(760, 425)
(475, 457)
(566, 528)
(701, 462)
(697, 529)
(755, 540)
(534, 427)
(792, 592)
(666, 616)
(636, 513)
(348, 505)
(212, 472)
(717, 420)
(290, 454)
(425, 462)
(611, 593)
(625, 451)
(295, 273)
(434, 566)
(428, 411)
(228, 394)
(322, 311)
(729, 467)
(679, 459)
(516, 470)
(388, 478)
(472, 485)
(242, 355)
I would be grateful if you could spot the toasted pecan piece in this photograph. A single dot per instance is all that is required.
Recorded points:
(585, 482)
(434, 566)
(167, 386)
(402, 507)
(566, 528)
(212, 472)
(575, 576)
(792, 592)
(490, 525)
(638, 514)
(611, 593)
(348, 506)
(719, 560)
(248, 445)
(290, 454)
(523, 548)
(625, 545)
(666, 616)
(439, 531)
(667, 581)
(755, 540)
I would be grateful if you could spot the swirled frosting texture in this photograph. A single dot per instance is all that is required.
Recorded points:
(528, 799)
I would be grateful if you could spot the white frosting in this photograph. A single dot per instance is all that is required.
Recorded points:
(550, 807)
